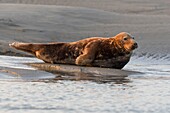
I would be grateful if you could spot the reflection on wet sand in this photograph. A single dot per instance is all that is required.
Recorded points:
(77, 73)
(89, 77)
(47, 76)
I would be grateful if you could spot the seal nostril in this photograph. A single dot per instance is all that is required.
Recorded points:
(135, 44)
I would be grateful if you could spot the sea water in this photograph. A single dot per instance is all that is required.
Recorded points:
(145, 92)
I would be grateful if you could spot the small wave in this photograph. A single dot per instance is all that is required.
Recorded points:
(152, 65)
(150, 58)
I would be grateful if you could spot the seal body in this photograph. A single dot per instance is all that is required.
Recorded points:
(113, 52)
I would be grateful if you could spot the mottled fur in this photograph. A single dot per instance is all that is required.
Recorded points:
(114, 52)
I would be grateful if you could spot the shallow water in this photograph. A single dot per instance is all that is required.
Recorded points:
(145, 92)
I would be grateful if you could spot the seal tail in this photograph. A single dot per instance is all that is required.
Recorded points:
(26, 47)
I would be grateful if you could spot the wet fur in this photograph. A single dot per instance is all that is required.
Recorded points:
(97, 51)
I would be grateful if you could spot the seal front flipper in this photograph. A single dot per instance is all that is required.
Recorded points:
(89, 53)
(26, 47)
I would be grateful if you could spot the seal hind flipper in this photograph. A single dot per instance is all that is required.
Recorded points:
(26, 47)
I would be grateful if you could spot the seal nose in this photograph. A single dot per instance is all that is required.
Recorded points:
(135, 45)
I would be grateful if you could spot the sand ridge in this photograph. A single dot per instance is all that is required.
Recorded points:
(48, 23)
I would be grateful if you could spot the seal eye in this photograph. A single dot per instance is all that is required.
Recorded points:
(125, 38)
